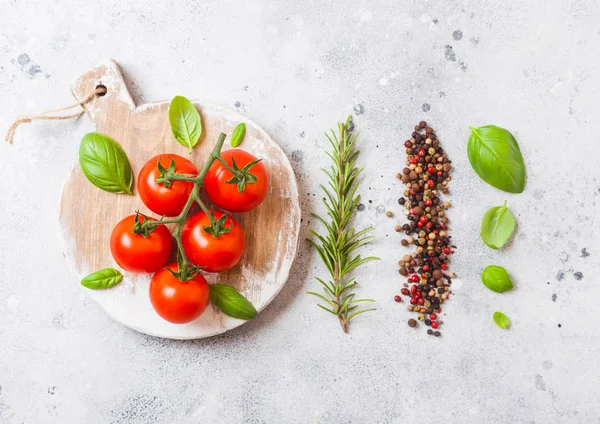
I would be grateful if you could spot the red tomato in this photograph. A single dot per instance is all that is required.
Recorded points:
(227, 196)
(136, 253)
(203, 249)
(178, 301)
(158, 198)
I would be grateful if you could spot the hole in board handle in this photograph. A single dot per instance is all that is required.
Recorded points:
(101, 87)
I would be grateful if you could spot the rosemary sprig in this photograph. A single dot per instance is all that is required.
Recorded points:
(337, 246)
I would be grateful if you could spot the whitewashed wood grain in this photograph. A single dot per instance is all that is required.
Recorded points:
(88, 214)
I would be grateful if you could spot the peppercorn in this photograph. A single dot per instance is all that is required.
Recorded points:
(437, 333)
(412, 323)
(397, 298)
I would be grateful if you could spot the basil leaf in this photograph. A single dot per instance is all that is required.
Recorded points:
(496, 279)
(497, 226)
(238, 135)
(103, 279)
(501, 320)
(231, 302)
(105, 164)
(495, 156)
(186, 124)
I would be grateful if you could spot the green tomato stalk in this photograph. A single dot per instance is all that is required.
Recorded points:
(217, 226)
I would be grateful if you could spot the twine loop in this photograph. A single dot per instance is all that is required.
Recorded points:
(47, 115)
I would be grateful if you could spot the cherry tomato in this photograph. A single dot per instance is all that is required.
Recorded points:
(226, 195)
(214, 254)
(158, 198)
(178, 301)
(136, 253)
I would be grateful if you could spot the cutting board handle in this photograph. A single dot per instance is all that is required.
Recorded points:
(115, 103)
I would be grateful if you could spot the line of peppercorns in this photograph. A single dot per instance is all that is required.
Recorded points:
(426, 174)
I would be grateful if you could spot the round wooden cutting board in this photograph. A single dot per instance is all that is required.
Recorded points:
(88, 214)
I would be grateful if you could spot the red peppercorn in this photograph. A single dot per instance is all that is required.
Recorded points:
(420, 301)
(425, 267)
(422, 152)
(405, 291)
(413, 160)
(429, 225)
(417, 295)
(428, 202)
(443, 227)
(413, 301)
(433, 317)
(436, 231)
(446, 250)
(434, 324)
(419, 224)
(444, 267)
(415, 279)
(439, 173)
(431, 183)
(423, 219)
(438, 310)
(411, 211)
(413, 289)
(408, 144)
(397, 298)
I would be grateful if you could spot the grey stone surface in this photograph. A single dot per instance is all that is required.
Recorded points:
(297, 68)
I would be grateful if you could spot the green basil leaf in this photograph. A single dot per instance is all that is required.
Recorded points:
(496, 279)
(238, 135)
(501, 320)
(231, 302)
(103, 279)
(495, 156)
(186, 124)
(497, 226)
(105, 164)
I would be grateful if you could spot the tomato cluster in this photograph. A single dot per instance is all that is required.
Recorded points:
(210, 241)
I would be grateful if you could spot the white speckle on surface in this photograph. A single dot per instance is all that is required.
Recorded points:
(383, 81)
(12, 302)
(272, 30)
(366, 15)
(556, 88)
(456, 284)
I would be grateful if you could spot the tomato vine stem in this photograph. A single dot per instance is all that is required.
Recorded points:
(189, 271)
(238, 174)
